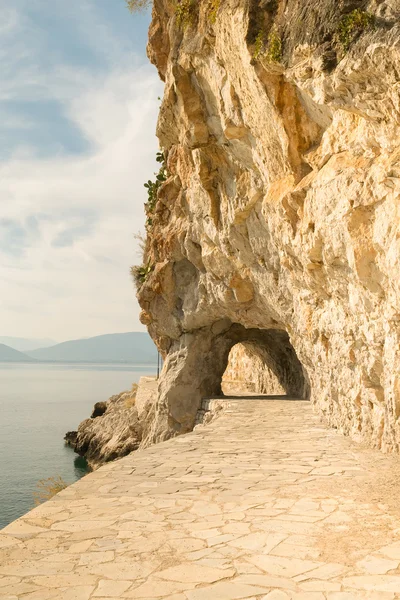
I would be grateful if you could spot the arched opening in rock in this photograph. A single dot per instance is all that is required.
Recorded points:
(258, 361)
(249, 370)
(196, 363)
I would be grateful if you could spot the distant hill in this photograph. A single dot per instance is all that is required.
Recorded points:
(8, 354)
(25, 344)
(134, 348)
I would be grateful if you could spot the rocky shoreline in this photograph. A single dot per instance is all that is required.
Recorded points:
(113, 430)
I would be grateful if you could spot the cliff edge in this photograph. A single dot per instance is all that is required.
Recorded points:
(276, 223)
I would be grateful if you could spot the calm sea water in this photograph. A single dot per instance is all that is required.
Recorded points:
(38, 405)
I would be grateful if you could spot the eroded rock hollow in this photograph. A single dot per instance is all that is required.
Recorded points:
(278, 223)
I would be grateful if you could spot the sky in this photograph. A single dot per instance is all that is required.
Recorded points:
(78, 112)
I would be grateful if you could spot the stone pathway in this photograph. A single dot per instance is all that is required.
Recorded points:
(263, 503)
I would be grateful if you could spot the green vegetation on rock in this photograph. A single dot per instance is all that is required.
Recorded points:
(213, 12)
(137, 5)
(141, 273)
(273, 50)
(153, 187)
(352, 26)
(259, 46)
(274, 47)
(184, 11)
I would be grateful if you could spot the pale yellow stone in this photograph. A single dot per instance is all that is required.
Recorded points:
(319, 585)
(378, 583)
(327, 571)
(258, 541)
(125, 570)
(80, 547)
(5, 581)
(377, 566)
(94, 558)
(7, 541)
(77, 593)
(354, 595)
(268, 581)
(21, 528)
(391, 551)
(158, 589)
(61, 581)
(194, 573)
(111, 589)
(229, 590)
(277, 595)
(292, 551)
(285, 567)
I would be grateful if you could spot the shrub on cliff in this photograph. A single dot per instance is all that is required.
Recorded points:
(136, 5)
(153, 187)
(141, 273)
(352, 26)
(272, 51)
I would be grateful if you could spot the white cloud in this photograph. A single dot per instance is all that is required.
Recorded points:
(67, 290)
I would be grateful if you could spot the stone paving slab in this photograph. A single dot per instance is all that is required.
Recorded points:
(265, 503)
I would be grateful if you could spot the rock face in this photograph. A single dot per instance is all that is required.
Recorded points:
(278, 224)
(248, 370)
(112, 431)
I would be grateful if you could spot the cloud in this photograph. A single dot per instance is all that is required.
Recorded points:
(68, 219)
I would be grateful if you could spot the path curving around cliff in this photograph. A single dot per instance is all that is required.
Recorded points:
(264, 503)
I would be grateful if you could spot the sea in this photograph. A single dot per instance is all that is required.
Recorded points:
(39, 403)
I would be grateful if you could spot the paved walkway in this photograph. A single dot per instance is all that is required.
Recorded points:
(263, 503)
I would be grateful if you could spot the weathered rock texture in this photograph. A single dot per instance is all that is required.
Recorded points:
(113, 431)
(247, 370)
(279, 222)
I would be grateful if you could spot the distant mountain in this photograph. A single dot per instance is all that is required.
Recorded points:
(134, 348)
(8, 354)
(25, 344)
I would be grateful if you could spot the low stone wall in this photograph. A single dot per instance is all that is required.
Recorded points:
(210, 410)
(146, 395)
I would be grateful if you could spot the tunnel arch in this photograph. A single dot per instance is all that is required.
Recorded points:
(249, 372)
(194, 368)
(274, 348)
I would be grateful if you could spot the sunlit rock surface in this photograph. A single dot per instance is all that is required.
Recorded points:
(281, 211)
(113, 430)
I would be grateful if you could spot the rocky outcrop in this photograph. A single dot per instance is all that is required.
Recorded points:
(278, 224)
(113, 431)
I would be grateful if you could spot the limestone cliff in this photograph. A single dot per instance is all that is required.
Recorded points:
(278, 223)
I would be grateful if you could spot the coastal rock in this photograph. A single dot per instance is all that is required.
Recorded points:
(278, 225)
(110, 435)
(99, 409)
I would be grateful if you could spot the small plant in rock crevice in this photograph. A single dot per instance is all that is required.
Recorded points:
(352, 26)
(138, 5)
(185, 13)
(272, 51)
(213, 10)
(274, 47)
(259, 46)
(153, 187)
(184, 9)
(141, 273)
